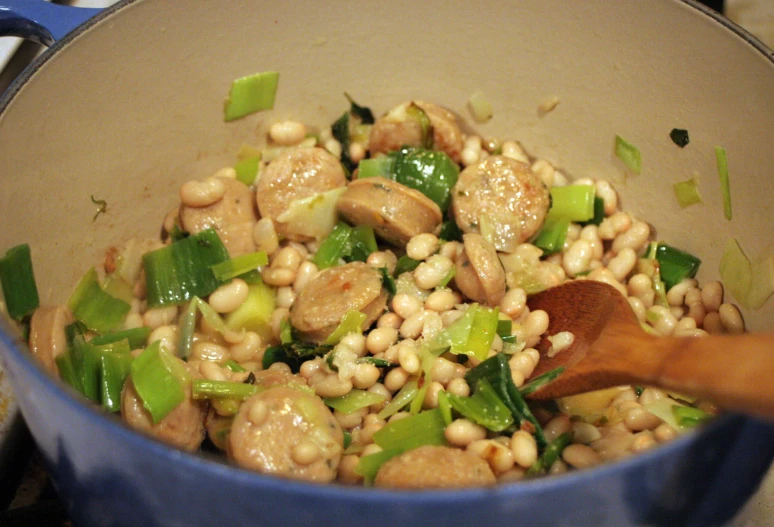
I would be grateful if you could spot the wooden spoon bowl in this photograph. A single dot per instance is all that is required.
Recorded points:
(610, 349)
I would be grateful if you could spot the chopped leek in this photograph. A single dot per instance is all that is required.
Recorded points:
(471, 334)
(239, 265)
(675, 265)
(497, 372)
(344, 129)
(552, 236)
(480, 107)
(424, 428)
(572, 202)
(750, 283)
(416, 113)
(159, 383)
(378, 166)
(552, 452)
(293, 354)
(251, 94)
(484, 407)
(450, 231)
(18, 282)
(540, 381)
(114, 369)
(255, 312)
(95, 308)
(314, 216)
(388, 281)
(362, 243)
(629, 154)
(208, 389)
(689, 416)
(369, 465)
(431, 172)
(354, 400)
(136, 337)
(247, 170)
(333, 247)
(445, 407)
(286, 332)
(404, 396)
(687, 193)
(725, 183)
(234, 366)
(679, 137)
(599, 212)
(504, 328)
(182, 270)
(87, 364)
(351, 323)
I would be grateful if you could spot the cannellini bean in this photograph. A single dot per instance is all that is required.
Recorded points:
(580, 456)
(634, 237)
(265, 236)
(712, 296)
(471, 150)
(229, 297)
(623, 263)
(421, 246)
(203, 193)
(462, 432)
(577, 258)
(287, 133)
(524, 448)
(605, 191)
(731, 318)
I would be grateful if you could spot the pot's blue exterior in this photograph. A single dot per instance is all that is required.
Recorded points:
(109, 475)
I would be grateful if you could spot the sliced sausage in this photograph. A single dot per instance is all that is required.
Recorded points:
(183, 427)
(321, 305)
(480, 275)
(296, 174)
(232, 217)
(47, 335)
(430, 466)
(287, 432)
(398, 128)
(396, 212)
(218, 427)
(505, 193)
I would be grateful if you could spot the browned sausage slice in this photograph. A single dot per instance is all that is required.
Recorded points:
(287, 432)
(479, 274)
(296, 174)
(431, 466)
(506, 194)
(398, 128)
(183, 427)
(47, 335)
(322, 304)
(232, 217)
(396, 212)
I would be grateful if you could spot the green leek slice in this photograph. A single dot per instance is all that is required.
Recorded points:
(725, 183)
(18, 282)
(354, 400)
(158, 382)
(687, 193)
(251, 94)
(629, 154)
(95, 308)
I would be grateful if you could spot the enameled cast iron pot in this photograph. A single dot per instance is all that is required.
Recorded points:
(128, 106)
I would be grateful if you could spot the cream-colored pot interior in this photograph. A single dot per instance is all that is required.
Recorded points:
(133, 107)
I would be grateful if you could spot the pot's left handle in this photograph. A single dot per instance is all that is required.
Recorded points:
(40, 21)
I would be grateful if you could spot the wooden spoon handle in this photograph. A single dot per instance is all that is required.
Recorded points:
(734, 371)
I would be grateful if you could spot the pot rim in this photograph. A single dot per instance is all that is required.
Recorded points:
(215, 465)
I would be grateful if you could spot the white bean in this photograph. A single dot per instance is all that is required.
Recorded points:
(287, 133)
(230, 296)
(196, 193)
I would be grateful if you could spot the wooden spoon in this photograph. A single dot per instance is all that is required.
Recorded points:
(611, 349)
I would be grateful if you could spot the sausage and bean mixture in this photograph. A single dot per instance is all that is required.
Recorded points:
(326, 395)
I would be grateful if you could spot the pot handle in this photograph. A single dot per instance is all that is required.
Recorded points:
(40, 21)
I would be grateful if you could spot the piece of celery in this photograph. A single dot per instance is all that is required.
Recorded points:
(95, 308)
(178, 272)
(251, 94)
(18, 282)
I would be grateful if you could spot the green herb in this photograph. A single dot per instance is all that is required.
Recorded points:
(344, 127)
(293, 354)
(725, 183)
(182, 270)
(405, 265)
(629, 154)
(95, 308)
(450, 231)
(101, 207)
(687, 193)
(17, 279)
(679, 137)
(251, 94)
(388, 281)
